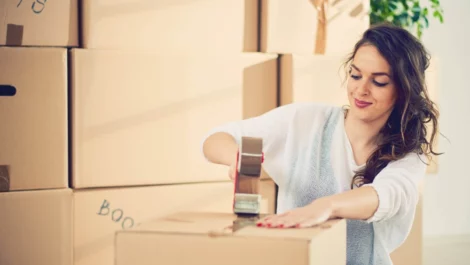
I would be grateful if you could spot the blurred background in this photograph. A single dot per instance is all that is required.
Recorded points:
(104, 105)
(446, 203)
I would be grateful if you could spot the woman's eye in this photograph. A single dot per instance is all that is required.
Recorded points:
(355, 77)
(380, 84)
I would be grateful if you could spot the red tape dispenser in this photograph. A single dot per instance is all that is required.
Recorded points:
(247, 200)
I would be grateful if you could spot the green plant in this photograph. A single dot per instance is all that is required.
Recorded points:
(409, 14)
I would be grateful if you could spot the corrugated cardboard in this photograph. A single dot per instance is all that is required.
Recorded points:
(139, 118)
(318, 78)
(213, 239)
(322, 78)
(39, 23)
(65, 227)
(36, 227)
(171, 26)
(33, 118)
(110, 210)
(291, 26)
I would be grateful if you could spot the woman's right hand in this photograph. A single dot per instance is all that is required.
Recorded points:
(221, 148)
(232, 171)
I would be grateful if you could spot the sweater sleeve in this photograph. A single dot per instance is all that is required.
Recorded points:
(271, 126)
(397, 189)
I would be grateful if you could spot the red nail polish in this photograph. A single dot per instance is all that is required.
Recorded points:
(259, 224)
(269, 225)
(281, 226)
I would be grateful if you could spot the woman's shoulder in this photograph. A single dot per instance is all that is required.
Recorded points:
(312, 111)
(413, 164)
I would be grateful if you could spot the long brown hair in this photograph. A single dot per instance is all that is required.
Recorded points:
(406, 129)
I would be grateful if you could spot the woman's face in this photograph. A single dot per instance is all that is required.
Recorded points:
(371, 91)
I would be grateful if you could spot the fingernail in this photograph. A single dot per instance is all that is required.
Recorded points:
(269, 225)
(281, 226)
(259, 224)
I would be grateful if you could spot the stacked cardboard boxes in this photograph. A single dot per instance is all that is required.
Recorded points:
(104, 136)
(36, 206)
(102, 132)
(151, 78)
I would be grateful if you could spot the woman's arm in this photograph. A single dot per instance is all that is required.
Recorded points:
(393, 194)
(360, 203)
(220, 148)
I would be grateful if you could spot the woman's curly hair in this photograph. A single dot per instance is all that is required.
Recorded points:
(407, 128)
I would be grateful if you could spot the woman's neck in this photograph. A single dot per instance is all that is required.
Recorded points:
(362, 135)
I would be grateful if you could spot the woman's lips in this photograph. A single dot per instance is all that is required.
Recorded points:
(362, 104)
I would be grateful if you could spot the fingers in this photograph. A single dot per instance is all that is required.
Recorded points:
(285, 220)
(271, 220)
(288, 220)
(267, 220)
(232, 173)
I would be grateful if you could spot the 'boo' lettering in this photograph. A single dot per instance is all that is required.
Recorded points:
(116, 215)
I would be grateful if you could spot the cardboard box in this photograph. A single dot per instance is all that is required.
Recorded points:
(110, 210)
(64, 227)
(33, 107)
(291, 26)
(176, 27)
(215, 238)
(139, 118)
(323, 79)
(39, 23)
(318, 78)
(36, 227)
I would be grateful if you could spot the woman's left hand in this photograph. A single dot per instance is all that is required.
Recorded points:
(310, 215)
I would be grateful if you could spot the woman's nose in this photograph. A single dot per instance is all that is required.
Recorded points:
(363, 89)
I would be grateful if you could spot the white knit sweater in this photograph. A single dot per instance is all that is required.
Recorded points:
(308, 154)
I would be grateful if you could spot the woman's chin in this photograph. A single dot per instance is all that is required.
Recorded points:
(361, 115)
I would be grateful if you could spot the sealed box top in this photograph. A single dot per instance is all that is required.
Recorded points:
(224, 224)
(222, 238)
(39, 23)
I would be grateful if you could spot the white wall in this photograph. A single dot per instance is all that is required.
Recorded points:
(447, 194)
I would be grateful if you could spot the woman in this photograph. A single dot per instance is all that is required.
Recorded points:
(361, 163)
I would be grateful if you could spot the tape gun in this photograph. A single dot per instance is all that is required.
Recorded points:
(247, 200)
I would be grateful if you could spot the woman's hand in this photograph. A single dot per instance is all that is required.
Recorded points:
(232, 171)
(315, 213)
